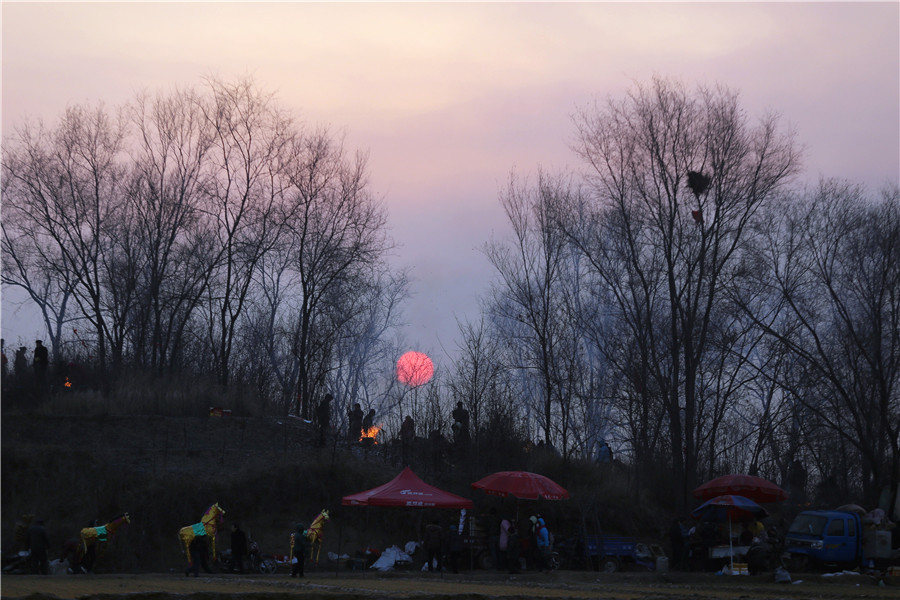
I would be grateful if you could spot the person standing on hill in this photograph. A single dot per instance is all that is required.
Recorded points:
(20, 366)
(5, 363)
(355, 423)
(369, 420)
(407, 437)
(460, 424)
(323, 419)
(41, 361)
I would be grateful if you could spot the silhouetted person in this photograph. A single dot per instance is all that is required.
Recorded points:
(300, 547)
(323, 418)
(238, 547)
(460, 423)
(455, 547)
(604, 453)
(542, 540)
(38, 544)
(21, 366)
(514, 546)
(434, 541)
(199, 551)
(20, 533)
(69, 555)
(369, 420)
(4, 364)
(355, 423)
(676, 538)
(41, 361)
(746, 536)
(90, 555)
(503, 542)
(407, 437)
(492, 529)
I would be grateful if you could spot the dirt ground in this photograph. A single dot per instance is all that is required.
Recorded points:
(374, 585)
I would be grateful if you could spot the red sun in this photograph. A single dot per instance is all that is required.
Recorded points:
(414, 369)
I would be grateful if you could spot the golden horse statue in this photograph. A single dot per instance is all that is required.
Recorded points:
(209, 523)
(93, 537)
(314, 533)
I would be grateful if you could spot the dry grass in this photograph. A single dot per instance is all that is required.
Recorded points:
(141, 394)
(561, 584)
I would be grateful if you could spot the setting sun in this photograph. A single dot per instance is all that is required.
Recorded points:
(414, 368)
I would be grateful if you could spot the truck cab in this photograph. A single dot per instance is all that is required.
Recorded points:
(824, 537)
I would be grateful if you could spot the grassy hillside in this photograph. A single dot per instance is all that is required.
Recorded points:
(266, 474)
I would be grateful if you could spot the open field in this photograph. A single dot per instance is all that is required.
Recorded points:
(358, 586)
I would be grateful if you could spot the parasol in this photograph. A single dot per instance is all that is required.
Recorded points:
(522, 485)
(748, 486)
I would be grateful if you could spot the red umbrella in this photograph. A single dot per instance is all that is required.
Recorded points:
(521, 484)
(748, 486)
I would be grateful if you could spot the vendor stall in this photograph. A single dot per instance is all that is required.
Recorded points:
(406, 489)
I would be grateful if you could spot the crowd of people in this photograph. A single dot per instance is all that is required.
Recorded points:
(410, 446)
(22, 374)
(513, 544)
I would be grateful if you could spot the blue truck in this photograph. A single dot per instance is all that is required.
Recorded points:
(832, 538)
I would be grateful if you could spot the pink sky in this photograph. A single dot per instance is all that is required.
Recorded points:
(449, 97)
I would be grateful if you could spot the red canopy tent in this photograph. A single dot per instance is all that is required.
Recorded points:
(406, 489)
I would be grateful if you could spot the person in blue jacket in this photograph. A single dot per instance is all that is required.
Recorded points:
(542, 539)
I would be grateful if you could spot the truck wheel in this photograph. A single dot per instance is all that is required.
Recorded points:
(799, 562)
(609, 564)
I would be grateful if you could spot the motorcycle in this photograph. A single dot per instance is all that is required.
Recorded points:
(256, 562)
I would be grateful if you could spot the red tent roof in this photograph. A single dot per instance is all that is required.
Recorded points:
(406, 489)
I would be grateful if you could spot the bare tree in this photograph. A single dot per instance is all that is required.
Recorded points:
(170, 158)
(251, 139)
(32, 262)
(69, 184)
(164, 223)
(829, 292)
(337, 238)
(477, 373)
(528, 305)
(364, 344)
(682, 174)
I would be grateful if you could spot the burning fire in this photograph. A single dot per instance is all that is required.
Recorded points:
(370, 433)
(68, 383)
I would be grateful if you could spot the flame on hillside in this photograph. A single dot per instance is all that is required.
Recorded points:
(68, 383)
(370, 433)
